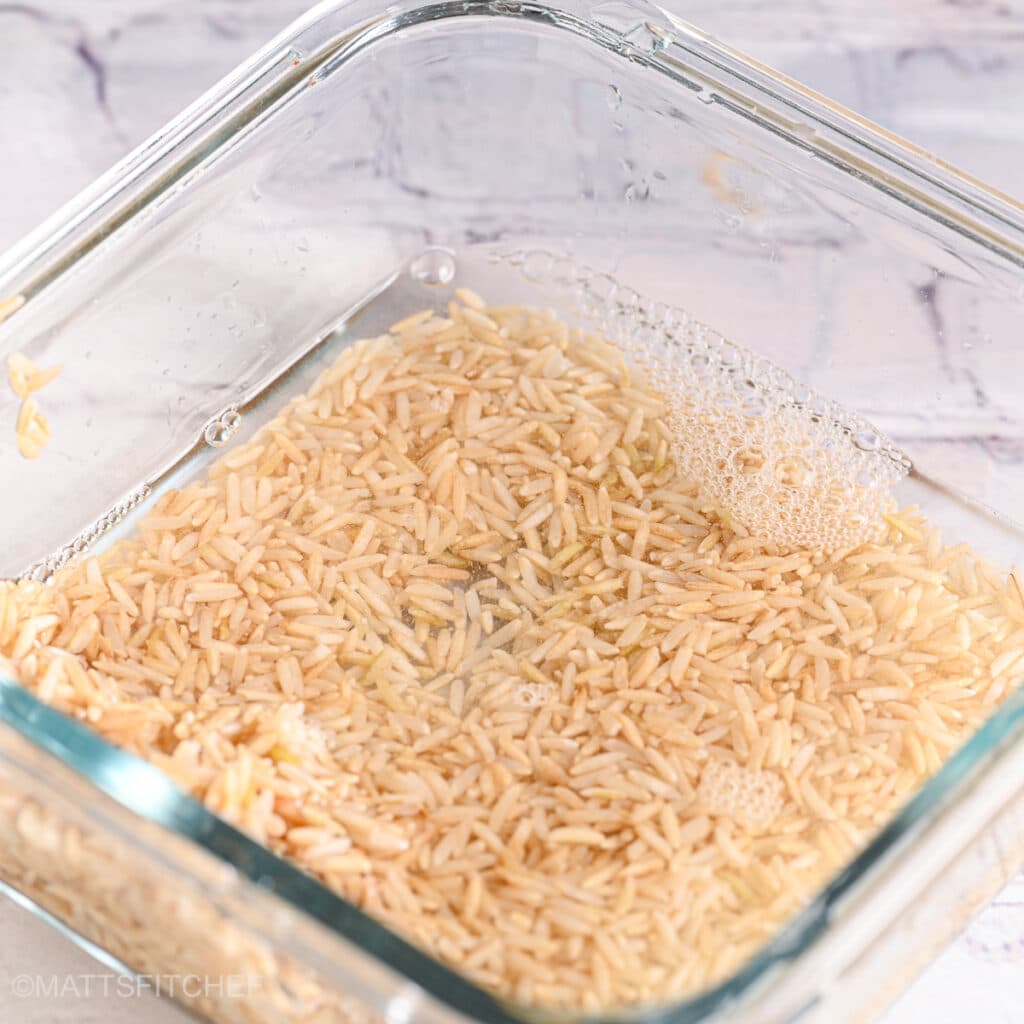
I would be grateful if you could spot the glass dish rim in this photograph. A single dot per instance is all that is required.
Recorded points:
(903, 171)
(688, 55)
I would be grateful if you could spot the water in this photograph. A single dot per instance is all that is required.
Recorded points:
(784, 461)
(770, 449)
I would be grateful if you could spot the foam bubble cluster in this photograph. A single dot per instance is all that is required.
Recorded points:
(786, 464)
(752, 799)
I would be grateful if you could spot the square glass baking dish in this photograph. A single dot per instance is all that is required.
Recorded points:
(361, 165)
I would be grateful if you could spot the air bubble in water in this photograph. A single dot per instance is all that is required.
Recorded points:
(793, 471)
(536, 265)
(534, 695)
(433, 267)
(749, 460)
(219, 431)
(867, 440)
(730, 357)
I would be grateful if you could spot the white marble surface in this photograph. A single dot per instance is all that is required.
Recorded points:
(83, 81)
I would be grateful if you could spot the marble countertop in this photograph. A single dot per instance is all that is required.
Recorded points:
(85, 82)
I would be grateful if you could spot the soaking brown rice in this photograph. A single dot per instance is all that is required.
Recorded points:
(452, 635)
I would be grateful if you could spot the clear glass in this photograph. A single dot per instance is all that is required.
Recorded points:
(324, 186)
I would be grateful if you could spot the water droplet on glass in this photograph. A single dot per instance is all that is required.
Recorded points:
(433, 267)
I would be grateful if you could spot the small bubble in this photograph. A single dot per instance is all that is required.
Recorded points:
(749, 460)
(800, 395)
(867, 440)
(219, 431)
(533, 695)
(793, 471)
(536, 265)
(730, 356)
(433, 267)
